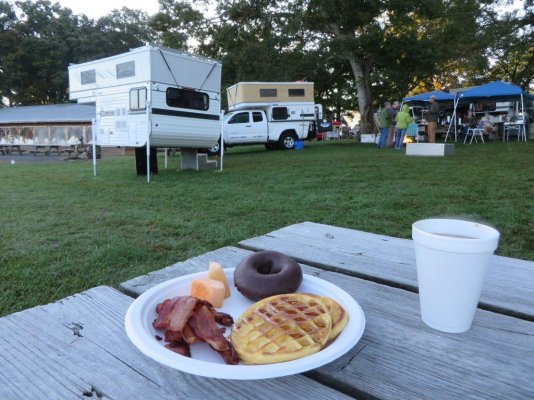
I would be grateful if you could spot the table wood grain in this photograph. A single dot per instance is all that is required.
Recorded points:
(398, 355)
(508, 288)
(77, 348)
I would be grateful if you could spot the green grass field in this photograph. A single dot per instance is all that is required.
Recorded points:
(64, 231)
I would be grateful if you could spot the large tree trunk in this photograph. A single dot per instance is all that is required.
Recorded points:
(362, 76)
(361, 69)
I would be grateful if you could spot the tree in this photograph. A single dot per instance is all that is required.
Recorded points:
(513, 48)
(387, 46)
(178, 24)
(38, 45)
(36, 52)
(7, 19)
(258, 41)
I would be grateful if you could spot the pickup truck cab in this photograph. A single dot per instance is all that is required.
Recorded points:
(275, 126)
(276, 114)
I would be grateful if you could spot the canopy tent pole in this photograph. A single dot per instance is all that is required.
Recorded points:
(523, 119)
(93, 122)
(148, 158)
(166, 157)
(221, 146)
(453, 118)
(148, 142)
(457, 100)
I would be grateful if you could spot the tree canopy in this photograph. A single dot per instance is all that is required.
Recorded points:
(358, 53)
(38, 40)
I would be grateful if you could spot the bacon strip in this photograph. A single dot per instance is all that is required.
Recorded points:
(187, 320)
(182, 310)
(189, 336)
(220, 317)
(205, 328)
(164, 313)
(179, 347)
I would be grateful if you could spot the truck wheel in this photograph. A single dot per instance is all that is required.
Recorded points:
(287, 141)
(215, 149)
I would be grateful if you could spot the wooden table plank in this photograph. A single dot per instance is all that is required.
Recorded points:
(508, 289)
(77, 348)
(228, 257)
(399, 356)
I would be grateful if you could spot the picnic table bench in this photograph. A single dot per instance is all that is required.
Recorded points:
(46, 150)
(78, 348)
(76, 150)
(7, 149)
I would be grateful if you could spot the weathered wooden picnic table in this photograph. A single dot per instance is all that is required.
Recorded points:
(78, 348)
(7, 149)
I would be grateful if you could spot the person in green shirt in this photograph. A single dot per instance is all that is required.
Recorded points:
(403, 118)
(384, 120)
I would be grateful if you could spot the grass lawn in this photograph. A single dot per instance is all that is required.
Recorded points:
(64, 231)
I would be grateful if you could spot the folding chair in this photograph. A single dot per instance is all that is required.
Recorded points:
(474, 132)
(518, 128)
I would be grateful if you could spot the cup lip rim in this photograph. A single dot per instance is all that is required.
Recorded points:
(492, 233)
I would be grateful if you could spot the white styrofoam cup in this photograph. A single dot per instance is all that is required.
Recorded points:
(451, 270)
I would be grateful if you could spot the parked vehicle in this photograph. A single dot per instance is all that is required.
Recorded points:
(151, 96)
(274, 114)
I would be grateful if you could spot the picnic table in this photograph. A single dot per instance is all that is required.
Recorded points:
(7, 149)
(46, 150)
(78, 348)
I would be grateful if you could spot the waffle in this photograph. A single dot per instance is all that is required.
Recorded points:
(337, 313)
(281, 328)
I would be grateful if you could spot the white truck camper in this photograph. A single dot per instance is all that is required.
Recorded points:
(275, 114)
(152, 97)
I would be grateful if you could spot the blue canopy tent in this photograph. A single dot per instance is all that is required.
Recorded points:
(493, 90)
(497, 90)
(440, 96)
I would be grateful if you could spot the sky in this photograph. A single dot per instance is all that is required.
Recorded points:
(98, 8)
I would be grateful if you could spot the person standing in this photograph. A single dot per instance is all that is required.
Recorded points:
(392, 113)
(384, 122)
(432, 119)
(403, 119)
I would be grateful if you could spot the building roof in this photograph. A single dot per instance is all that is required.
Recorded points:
(47, 114)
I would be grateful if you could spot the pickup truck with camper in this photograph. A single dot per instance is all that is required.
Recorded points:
(276, 114)
(152, 97)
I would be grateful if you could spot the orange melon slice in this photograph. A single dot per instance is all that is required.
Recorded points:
(216, 272)
(208, 289)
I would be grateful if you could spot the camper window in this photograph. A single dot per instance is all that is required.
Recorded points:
(138, 99)
(87, 77)
(295, 92)
(185, 98)
(125, 70)
(240, 118)
(257, 116)
(268, 93)
(280, 113)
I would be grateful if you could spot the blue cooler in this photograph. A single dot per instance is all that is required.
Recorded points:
(299, 145)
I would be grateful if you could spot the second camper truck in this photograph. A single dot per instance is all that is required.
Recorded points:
(275, 114)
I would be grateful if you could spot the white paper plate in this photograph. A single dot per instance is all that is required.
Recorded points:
(206, 362)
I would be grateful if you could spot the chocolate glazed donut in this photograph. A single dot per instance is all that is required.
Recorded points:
(267, 273)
